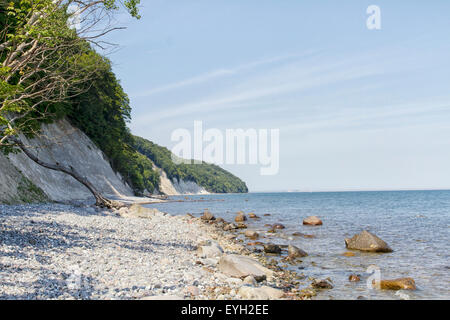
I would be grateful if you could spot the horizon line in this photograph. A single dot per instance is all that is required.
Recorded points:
(356, 190)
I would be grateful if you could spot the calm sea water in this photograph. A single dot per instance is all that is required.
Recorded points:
(414, 223)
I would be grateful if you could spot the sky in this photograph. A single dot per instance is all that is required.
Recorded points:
(357, 109)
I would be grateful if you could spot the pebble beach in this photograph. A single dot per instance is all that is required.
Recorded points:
(65, 252)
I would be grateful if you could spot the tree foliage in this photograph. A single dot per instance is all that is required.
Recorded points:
(210, 176)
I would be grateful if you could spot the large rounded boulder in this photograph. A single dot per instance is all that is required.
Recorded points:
(366, 241)
(312, 221)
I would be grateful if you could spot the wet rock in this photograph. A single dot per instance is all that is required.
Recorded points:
(240, 217)
(321, 284)
(253, 216)
(272, 248)
(267, 215)
(262, 293)
(354, 278)
(229, 227)
(238, 266)
(312, 221)
(252, 234)
(241, 225)
(295, 252)
(396, 284)
(278, 226)
(208, 216)
(366, 241)
(348, 254)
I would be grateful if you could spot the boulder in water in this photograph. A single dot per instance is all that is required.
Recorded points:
(366, 241)
(295, 252)
(208, 216)
(251, 234)
(240, 217)
(312, 221)
(396, 284)
(272, 248)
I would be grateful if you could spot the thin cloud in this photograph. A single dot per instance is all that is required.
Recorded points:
(205, 77)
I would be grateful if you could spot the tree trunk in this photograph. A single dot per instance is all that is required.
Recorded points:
(100, 201)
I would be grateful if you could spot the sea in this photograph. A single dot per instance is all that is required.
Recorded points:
(415, 224)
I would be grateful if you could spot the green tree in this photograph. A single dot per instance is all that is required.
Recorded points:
(46, 60)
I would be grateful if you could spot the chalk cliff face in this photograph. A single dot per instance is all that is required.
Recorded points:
(170, 188)
(22, 180)
(59, 142)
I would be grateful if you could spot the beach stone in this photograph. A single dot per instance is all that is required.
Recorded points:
(138, 211)
(272, 248)
(238, 266)
(321, 284)
(229, 227)
(208, 216)
(240, 217)
(262, 293)
(250, 281)
(252, 216)
(212, 250)
(397, 284)
(354, 278)
(234, 281)
(295, 252)
(312, 221)
(348, 254)
(241, 225)
(251, 234)
(192, 290)
(366, 241)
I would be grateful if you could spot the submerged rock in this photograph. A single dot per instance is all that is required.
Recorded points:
(272, 248)
(366, 241)
(396, 284)
(238, 266)
(295, 252)
(307, 236)
(253, 216)
(348, 254)
(312, 221)
(278, 226)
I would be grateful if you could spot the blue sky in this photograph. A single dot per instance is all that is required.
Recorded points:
(357, 109)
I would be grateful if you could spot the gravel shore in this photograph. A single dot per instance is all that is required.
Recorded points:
(77, 252)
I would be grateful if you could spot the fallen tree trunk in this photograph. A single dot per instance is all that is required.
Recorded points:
(100, 201)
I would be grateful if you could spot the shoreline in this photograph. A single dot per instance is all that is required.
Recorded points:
(57, 251)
